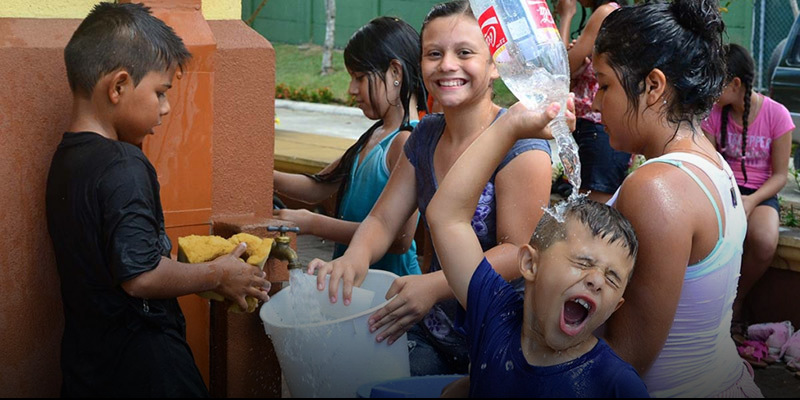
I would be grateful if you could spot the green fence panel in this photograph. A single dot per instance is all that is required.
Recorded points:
(412, 11)
(350, 15)
(303, 21)
(281, 21)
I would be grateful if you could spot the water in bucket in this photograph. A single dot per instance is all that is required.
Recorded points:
(326, 350)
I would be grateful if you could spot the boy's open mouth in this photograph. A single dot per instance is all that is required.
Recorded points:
(575, 313)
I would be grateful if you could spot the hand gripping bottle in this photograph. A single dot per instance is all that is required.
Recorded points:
(533, 63)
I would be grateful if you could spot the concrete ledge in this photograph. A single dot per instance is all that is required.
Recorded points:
(297, 152)
(787, 256)
(314, 107)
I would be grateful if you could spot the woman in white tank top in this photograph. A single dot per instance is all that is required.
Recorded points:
(659, 70)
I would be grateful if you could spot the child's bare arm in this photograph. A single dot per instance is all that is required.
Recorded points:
(450, 211)
(303, 188)
(227, 275)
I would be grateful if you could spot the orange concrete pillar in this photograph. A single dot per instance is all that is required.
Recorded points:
(213, 156)
(181, 152)
(35, 104)
(243, 363)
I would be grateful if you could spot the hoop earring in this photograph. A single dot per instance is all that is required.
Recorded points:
(396, 83)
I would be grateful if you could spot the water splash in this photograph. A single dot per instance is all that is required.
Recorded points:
(557, 211)
(567, 151)
(302, 288)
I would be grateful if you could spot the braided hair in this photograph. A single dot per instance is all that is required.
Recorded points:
(739, 65)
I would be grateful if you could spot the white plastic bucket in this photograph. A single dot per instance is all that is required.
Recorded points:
(333, 358)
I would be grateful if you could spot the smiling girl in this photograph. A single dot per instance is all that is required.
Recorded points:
(458, 70)
(382, 59)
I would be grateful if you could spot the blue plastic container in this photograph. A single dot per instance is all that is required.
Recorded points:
(414, 387)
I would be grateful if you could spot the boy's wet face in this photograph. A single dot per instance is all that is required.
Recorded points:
(578, 284)
(141, 107)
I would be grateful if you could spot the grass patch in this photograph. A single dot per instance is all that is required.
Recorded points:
(298, 68)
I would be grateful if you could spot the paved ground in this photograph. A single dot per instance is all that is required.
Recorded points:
(775, 381)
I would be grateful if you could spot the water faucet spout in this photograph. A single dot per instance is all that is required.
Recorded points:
(281, 249)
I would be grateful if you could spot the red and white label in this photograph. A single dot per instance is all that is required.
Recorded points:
(544, 27)
(492, 31)
(541, 14)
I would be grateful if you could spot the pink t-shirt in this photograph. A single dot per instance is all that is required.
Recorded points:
(772, 121)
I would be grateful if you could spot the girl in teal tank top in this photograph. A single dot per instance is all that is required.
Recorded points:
(383, 61)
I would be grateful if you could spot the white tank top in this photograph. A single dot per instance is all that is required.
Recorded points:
(699, 358)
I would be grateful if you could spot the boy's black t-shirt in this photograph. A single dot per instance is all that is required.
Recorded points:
(107, 226)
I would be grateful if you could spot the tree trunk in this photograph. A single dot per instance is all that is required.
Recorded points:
(330, 25)
(252, 18)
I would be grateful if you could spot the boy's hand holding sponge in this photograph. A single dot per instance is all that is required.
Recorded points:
(199, 249)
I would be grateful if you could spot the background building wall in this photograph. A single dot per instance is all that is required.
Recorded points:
(212, 9)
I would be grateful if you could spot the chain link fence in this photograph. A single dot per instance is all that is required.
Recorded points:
(772, 20)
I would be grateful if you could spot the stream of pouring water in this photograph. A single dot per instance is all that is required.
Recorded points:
(303, 302)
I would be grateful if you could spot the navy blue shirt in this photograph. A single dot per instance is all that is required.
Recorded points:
(493, 323)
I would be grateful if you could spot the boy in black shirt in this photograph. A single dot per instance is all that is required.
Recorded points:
(124, 333)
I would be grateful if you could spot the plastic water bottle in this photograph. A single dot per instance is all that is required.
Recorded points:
(532, 61)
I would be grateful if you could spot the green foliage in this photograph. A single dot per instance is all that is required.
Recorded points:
(297, 75)
(320, 95)
(789, 216)
(557, 171)
(795, 174)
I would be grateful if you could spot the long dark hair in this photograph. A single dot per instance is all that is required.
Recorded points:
(740, 65)
(683, 39)
(595, 4)
(371, 50)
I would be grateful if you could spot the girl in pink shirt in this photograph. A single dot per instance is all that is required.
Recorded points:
(753, 132)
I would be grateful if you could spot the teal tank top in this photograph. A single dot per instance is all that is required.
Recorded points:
(366, 182)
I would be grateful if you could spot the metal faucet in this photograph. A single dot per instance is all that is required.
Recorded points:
(280, 247)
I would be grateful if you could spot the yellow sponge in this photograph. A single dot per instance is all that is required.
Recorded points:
(199, 249)
(257, 248)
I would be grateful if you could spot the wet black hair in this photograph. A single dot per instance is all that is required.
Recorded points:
(375, 45)
(120, 36)
(740, 65)
(683, 39)
(595, 4)
(450, 8)
(604, 221)
(371, 50)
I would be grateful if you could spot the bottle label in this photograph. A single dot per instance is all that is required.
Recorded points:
(492, 32)
(544, 27)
